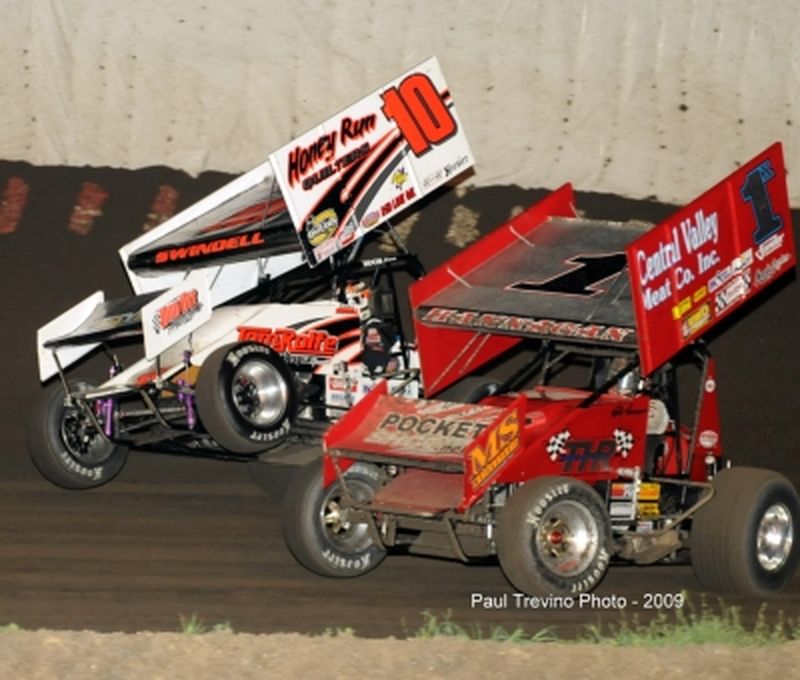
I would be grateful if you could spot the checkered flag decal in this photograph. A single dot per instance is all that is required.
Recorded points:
(624, 442)
(556, 445)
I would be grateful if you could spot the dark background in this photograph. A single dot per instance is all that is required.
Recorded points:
(173, 536)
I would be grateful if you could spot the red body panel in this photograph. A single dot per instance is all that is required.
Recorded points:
(685, 275)
(505, 439)
(562, 438)
(707, 440)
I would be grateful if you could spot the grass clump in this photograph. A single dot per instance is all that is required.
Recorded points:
(339, 632)
(443, 626)
(696, 627)
(193, 625)
(681, 627)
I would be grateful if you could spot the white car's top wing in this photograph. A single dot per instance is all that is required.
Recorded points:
(316, 195)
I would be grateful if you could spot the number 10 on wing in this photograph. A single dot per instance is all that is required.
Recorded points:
(420, 112)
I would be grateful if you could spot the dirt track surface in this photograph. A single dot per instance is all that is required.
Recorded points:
(174, 537)
(53, 655)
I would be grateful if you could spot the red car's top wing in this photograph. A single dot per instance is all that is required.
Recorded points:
(548, 274)
(710, 257)
(543, 274)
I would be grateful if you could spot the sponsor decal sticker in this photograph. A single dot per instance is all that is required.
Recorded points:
(399, 178)
(502, 441)
(622, 510)
(175, 314)
(734, 291)
(622, 491)
(370, 219)
(520, 324)
(681, 308)
(288, 341)
(772, 268)
(435, 178)
(585, 455)
(648, 510)
(688, 249)
(708, 439)
(429, 425)
(773, 243)
(696, 321)
(451, 169)
(649, 491)
(206, 248)
(177, 311)
(322, 226)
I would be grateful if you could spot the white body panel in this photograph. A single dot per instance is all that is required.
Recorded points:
(222, 329)
(62, 325)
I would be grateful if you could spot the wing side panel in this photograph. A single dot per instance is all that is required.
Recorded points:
(708, 259)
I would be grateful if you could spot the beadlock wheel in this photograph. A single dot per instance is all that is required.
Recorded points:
(319, 528)
(554, 537)
(567, 538)
(774, 537)
(65, 444)
(260, 393)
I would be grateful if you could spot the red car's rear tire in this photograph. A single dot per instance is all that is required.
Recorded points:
(745, 539)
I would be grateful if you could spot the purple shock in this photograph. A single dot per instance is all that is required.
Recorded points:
(107, 407)
(187, 399)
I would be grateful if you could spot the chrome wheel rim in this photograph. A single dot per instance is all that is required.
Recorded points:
(567, 539)
(774, 537)
(345, 535)
(259, 393)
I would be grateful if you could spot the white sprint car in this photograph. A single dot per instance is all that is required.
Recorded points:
(257, 321)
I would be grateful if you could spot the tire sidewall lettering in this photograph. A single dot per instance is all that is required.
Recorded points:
(535, 515)
(348, 563)
(50, 449)
(596, 570)
(340, 561)
(73, 466)
(235, 356)
(266, 437)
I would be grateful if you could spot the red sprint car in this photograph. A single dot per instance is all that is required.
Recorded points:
(604, 443)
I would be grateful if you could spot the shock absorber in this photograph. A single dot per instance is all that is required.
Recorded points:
(186, 394)
(106, 408)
